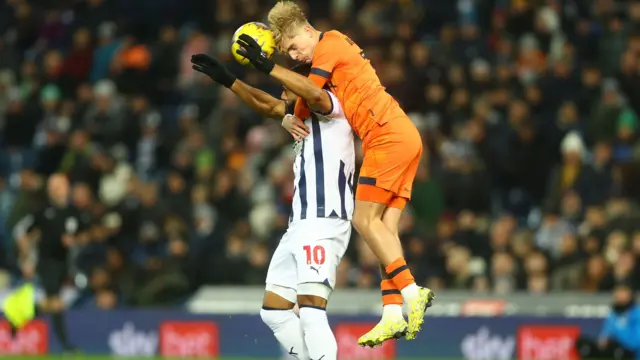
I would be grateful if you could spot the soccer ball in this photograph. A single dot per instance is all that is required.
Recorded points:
(263, 36)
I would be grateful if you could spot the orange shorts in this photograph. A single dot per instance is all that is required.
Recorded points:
(391, 157)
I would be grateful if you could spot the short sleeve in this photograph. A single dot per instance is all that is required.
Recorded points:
(326, 56)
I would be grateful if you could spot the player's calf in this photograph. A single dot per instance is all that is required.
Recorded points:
(277, 313)
(318, 336)
(391, 295)
(399, 273)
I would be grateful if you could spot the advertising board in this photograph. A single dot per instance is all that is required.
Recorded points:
(178, 333)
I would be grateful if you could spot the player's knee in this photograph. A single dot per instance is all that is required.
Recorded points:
(366, 212)
(392, 215)
(276, 306)
(275, 319)
(362, 220)
(313, 318)
(393, 228)
(278, 298)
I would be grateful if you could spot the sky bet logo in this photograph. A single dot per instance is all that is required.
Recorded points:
(547, 342)
(129, 341)
(484, 346)
(189, 339)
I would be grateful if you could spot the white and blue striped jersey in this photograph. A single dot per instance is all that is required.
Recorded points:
(324, 168)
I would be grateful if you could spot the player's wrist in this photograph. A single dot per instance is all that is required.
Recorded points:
(227, 81)
(223, 77)
(271, 66)
(265, 65)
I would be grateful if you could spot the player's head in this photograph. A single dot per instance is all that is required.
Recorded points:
(293, 33)
(303, 69)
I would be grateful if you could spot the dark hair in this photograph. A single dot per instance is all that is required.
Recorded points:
(301, 69)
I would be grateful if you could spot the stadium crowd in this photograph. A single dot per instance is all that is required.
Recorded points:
(528, 109)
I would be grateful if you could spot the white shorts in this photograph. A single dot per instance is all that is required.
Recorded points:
(309, 252)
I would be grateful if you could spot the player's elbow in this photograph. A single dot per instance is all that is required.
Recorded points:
(321, 102)
(316, 97)
(275, 110)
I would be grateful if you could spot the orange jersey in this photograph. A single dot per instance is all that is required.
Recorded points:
(341, 65)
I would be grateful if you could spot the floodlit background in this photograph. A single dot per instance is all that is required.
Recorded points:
(525, 204)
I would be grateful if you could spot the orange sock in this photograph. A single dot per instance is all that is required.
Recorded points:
(399, 272)
(390, 293)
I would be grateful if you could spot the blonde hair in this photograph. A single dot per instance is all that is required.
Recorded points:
(285, 18)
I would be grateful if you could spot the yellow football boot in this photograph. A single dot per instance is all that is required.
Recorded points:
(416, 309)
(386, 329)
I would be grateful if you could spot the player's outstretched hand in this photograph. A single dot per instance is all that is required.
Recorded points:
(213, 68)
(295, 127)
(251, 50)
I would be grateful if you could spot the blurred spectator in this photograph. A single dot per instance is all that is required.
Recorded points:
(528, 113)
(77, 65)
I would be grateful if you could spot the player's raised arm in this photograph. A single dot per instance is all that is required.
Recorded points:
(258, 100)
(306, 88)
(322, 65)
(297, 38)
(309, 89)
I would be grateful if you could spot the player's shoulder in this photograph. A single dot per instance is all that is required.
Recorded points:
(332, 40)
(332, 35)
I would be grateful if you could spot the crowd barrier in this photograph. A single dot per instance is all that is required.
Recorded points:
(178, 333)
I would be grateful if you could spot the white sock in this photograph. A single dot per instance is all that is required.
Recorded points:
(391, 312)
(318, 337)
(287, 330)
(410, 292)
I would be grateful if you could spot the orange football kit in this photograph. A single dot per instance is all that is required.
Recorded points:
(391, 143)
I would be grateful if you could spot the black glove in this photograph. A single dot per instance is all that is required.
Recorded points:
(212, 68)
(250, 49)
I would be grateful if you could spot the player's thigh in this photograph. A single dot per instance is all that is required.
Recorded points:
(371, 195)
(370, 205)
(282, 277)
(315, 301)
(278, 297)
(375, 171)
(404, 185)
(318, 261)
(390, 164)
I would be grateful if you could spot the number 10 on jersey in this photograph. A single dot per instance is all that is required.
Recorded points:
(315, 255)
